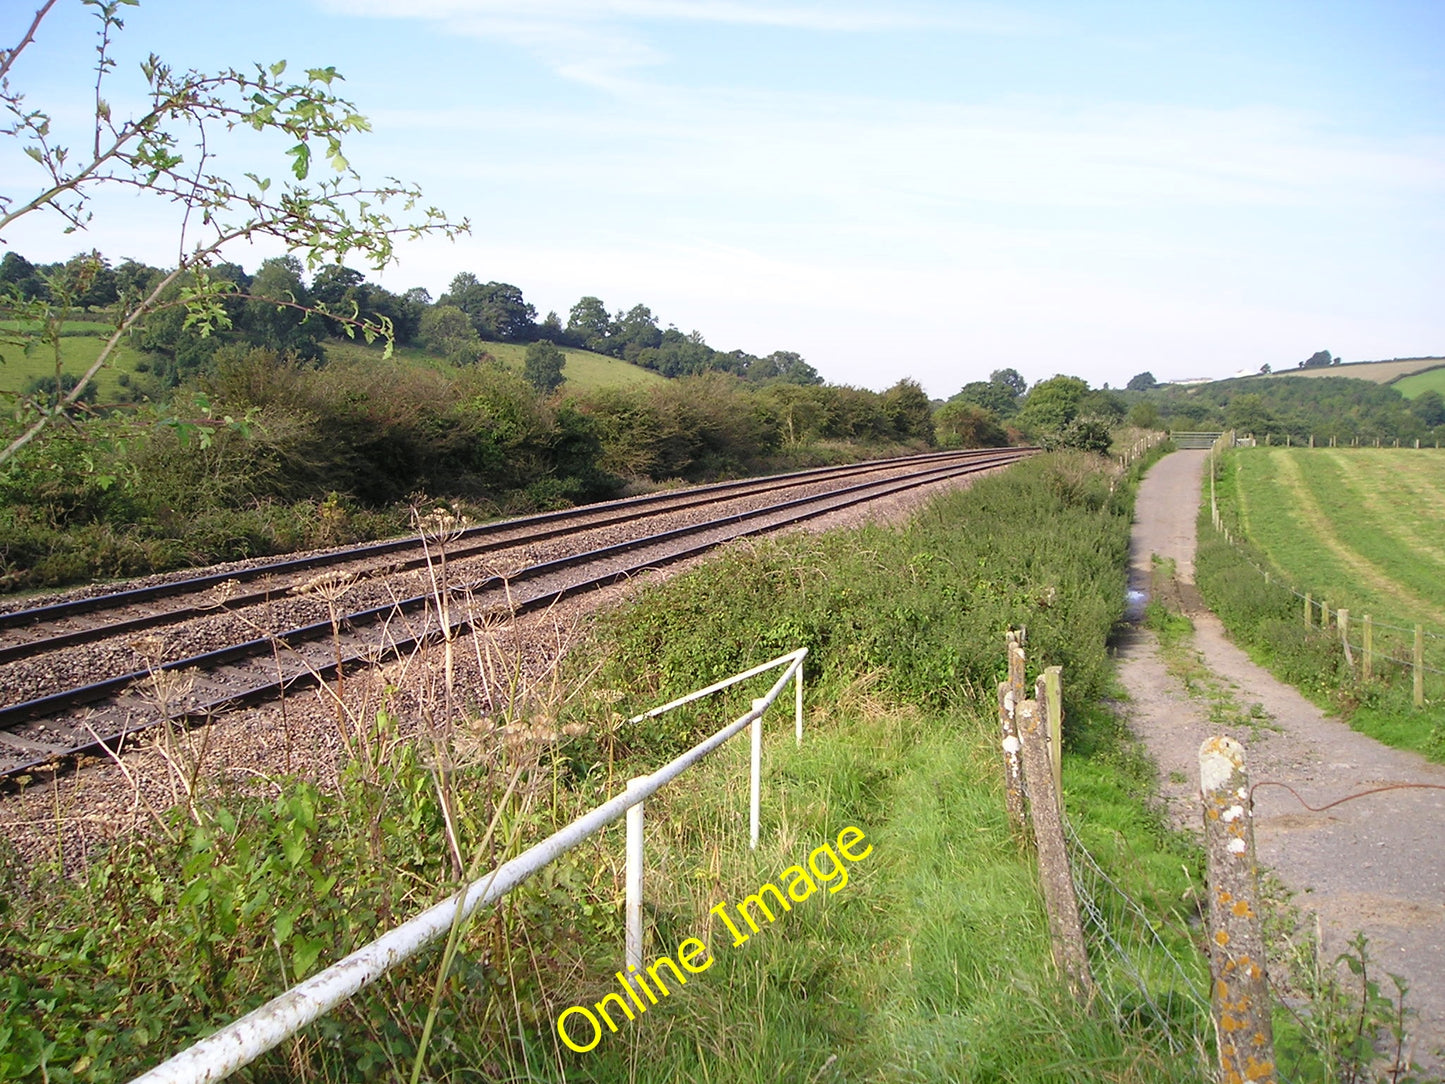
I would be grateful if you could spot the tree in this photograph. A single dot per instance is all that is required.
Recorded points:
(1141, 382)
(1429, 407)
(961, 424)
(166, 151)
(1086, 432)
(1010, 379)
(995, 396)
(908, 411)
(588, 324)
(446, 330)
(543, 366)
(1318, 360)
(282, 324)
(1145, 415)
(1053, 403)
(497, 309)
(633, 332)
(785, 367)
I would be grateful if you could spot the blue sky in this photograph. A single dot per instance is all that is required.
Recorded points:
(932, 190)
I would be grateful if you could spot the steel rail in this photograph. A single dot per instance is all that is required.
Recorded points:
(626, 507)
(611, 514)
(818, 505)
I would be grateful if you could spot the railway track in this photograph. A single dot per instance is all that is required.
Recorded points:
(70, 683)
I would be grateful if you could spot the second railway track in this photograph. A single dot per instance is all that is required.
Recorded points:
(74, 678)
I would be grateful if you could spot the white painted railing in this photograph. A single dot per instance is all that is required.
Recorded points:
(221, 1054)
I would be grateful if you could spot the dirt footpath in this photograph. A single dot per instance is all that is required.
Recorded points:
(1376, 864)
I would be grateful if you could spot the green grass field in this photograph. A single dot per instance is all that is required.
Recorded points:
(78, 348)
(584, 371)
(1358, 526)
(1418, 383)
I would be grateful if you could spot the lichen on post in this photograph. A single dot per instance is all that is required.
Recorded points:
(1240, 987)
(1013, 772)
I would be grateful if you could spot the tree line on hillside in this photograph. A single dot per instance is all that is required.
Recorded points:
(1064, 410)
(1342, 409)
(268, 310)
(266, 452)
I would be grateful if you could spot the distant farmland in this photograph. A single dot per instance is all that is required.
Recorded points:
(1381, 372)
(1419, 383)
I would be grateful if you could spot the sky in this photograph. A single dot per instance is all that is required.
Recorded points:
(915, 188)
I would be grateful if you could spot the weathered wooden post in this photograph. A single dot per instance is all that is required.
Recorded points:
(1367, 655)
(1049, 692)
(1240, 994)
(1325, 614)
(1309, 610)
(1066, 932)
(1419, 661)
(1010, 695)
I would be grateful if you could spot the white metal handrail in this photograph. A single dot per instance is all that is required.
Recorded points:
(238, 1044)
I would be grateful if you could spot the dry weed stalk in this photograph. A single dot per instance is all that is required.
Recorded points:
(183, 748)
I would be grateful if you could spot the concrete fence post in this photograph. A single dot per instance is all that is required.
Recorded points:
(1240, 995)
(1344, 623)
(1066, 932)
(1367, 654)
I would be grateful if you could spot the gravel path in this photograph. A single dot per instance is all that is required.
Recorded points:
(1375, 864)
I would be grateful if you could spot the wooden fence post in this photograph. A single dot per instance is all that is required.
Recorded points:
(1240, 996)
(1049, 692)
(1013, 772)
(1367, 660)
(1309, 610)
(1419, 660)
(1344, 623)
(1066, 932)
(1010, 696)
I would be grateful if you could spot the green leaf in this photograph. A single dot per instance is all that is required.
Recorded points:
(304, 952)
(282, 927)
(301, 165)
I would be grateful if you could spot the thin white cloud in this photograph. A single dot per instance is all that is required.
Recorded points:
(834, 16)
(602, 43)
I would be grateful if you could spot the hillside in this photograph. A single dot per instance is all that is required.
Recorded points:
(1380, 372)
(1418, 383)
(585, 371)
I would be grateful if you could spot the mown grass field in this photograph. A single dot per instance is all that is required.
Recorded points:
(1381, 372)
(1359, 526)
(1357, 529)
(1419, 383)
